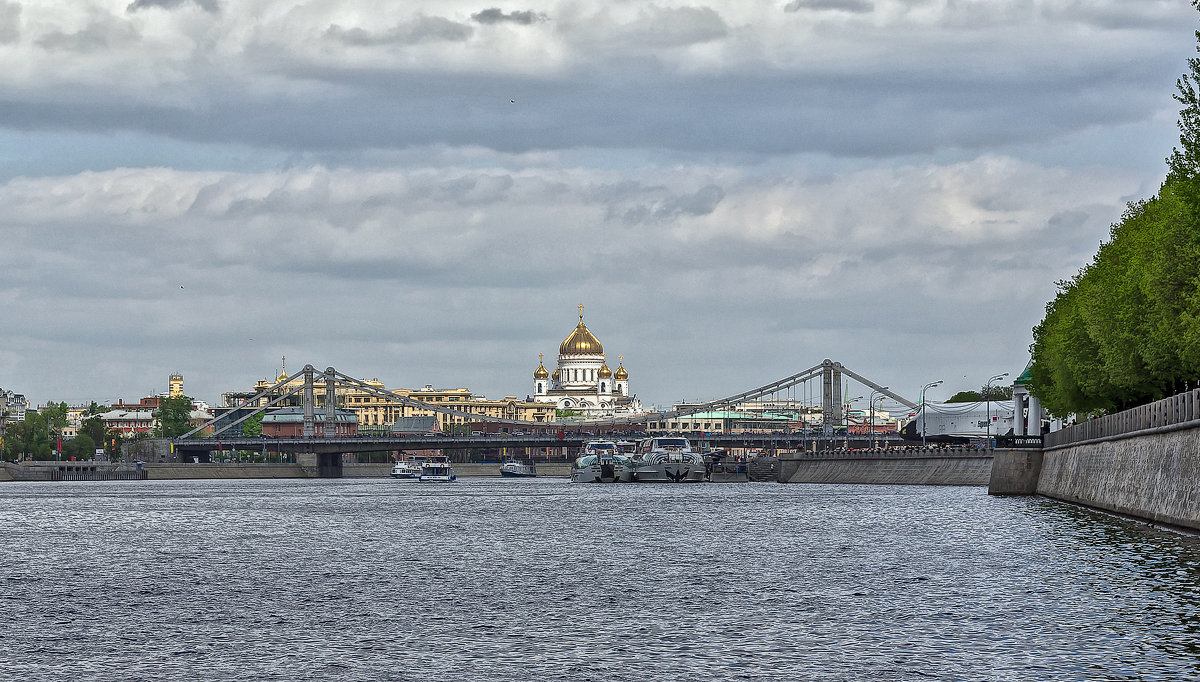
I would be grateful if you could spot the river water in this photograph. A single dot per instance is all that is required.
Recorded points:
(539, 579)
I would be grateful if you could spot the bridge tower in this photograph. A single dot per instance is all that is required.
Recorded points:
(309, 409)
(831, 395)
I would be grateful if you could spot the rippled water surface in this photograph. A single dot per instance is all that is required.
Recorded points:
(538, 579)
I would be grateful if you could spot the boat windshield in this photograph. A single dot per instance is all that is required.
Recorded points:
(672, 442)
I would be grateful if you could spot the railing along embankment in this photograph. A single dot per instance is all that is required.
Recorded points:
(1142, 462)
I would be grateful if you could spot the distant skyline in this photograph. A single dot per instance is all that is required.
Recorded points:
(422, 192)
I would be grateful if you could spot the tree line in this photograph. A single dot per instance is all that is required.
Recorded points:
(40, 435)
(1125, 329)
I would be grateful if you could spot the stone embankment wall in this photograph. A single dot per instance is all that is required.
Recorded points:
(932, 466)
(1151, 476)
(1143, 462)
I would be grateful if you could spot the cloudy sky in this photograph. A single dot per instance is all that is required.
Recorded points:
(423, 191)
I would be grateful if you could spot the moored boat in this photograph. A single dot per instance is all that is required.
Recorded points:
(601, 462)
(668, 459)
(406, 468)
(515, 468)
(437, 469)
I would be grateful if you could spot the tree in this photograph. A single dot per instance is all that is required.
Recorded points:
(1184, 161)
(174, 417)
(80, 447)
(93, 427)
(965, 397)
(1125, 330)
(253, 425)
(56, 418)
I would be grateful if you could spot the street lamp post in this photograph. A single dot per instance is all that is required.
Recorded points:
(988, 397)
(846, 417)
(923, 389)
(871, 401)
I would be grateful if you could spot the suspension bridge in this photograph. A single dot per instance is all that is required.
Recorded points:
(304, 386)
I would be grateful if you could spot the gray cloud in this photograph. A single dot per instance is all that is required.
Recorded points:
(206, 5)
(824, 188)
(856, 6)
(422, 29)
(10, 22)
(100, 35)
(495, 15)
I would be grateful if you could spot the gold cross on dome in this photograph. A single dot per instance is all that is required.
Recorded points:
(540, 355)
(581, 312)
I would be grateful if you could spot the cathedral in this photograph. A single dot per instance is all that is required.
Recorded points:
(583, 382)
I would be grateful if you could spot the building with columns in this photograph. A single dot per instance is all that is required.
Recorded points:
(582, 381)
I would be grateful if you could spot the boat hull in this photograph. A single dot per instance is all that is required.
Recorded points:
(516, 474)
(599, 473)
(671, 472)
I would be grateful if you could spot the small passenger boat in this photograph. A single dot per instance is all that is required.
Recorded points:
(406, 468)
(668, 460)
(437, 470)
(601, 462)
(516, 468)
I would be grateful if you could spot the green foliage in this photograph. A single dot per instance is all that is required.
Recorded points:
(56, 418)
(965, 397)
(80, 447)
(1125, 330)
(93, 428)
(253, 425)
(173, 417)
(28, 439)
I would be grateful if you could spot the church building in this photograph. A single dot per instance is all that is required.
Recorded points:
(582, 382)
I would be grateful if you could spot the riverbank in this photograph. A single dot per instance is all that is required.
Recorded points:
(930, 466)
(55, 471)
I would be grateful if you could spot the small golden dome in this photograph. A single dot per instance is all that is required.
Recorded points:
(555, 375)
(604, 372)
(541, 373)
(621, 374)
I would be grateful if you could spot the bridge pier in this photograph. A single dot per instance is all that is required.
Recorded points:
(320, 464)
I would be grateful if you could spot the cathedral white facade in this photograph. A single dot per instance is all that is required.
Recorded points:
(582, 381)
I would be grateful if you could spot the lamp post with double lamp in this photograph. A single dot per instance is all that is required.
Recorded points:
(846, 416)
(988, 397)
(923, 389)
(871, 400)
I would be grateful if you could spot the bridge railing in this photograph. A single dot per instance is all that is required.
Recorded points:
(1176, 411)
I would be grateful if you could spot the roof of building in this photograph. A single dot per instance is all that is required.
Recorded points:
(290, 415)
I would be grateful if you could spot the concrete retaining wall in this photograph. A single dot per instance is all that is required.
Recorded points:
(1015, 472)
(924, 467)
(1151, 476)
(178, 471)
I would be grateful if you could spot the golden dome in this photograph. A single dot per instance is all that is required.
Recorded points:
(555, 375)
(540, 372)
(581, 341)
(621, 374)
(604, 372)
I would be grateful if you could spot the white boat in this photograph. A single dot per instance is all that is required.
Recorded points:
(437, 470)
(668, 459)
(407, 468)
(515, 468)
(601, 462)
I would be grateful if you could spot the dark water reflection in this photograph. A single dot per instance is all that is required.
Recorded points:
(538, 579)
